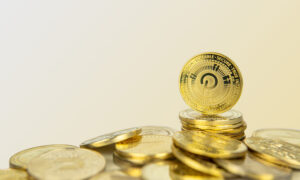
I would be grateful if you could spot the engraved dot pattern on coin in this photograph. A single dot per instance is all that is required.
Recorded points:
(67, 163)
(276, 151)
(210, 83)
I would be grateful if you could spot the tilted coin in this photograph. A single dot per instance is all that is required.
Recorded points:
(13, 174)
(67, 163)
(209, 144)
(291, 136)
(111, 138)
(191, 116)
(113, 175)
(21, 159)
(211, 83)
(136, 161)
(147, 147)
(127, 166)
(179, 171)
(196, 162)
(276, 151)
(157, 130)
(254, 169)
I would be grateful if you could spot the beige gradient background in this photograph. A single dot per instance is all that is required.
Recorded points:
(71, 70)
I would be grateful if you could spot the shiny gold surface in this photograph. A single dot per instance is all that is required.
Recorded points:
(196, 162)
(111, 138)
(13, 174)
(211, 83)
(275, 151)
(157, 130)
(67, 163)
(209, 144)
(147, 147)
(113, 175)
(157, 171)
(21, 159)
(291, 136)
(230, 117)
(252, 168)
(179, 171)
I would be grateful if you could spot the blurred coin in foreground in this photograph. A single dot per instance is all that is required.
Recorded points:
(111, 138)
(211, 83)
(67, 163)
(276, 151)
(291, 136)
(191, 116)
(209, 144)
(196, 162)
(148, 147)
(13, 174)
(112, 175)
(252, 168)
(157, 130)
(21, 159)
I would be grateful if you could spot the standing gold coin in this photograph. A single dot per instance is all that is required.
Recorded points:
(252, 168)
(148, 147)
(211, 83)
(13, 174)
(21, 159)
(276, 151)
(67, 163)
(291, 136)
(111, 138)
(209, 144)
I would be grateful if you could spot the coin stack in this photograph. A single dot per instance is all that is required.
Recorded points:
(211, 84)
(230, 123)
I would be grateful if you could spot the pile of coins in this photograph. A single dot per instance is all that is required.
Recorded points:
(211, 145)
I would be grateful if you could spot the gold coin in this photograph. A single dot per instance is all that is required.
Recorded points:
(147, 147)
(128, 167)
(107, 153)
(67, 163)
(111, 138)
(196, 162)
(276, 151)
(157, 130)
(179, 171)
(211, 83)
(209, 144)
(227, 118)
(21, 159)
(216, 128)
(291, 136)
(252, 168)
(113, 175)
(157, 171)
(13, 174)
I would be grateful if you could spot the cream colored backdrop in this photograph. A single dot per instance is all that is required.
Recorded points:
(71, 70)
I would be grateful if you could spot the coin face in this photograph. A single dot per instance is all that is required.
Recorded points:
(196, 162)
(111, 138)
(21, 159)
(275, 151)
(211, 83)
(253, 169)
(191, 116)
(13, 174)
(67, 163)
(209, 144)
(146, 147)
(291, 136)
(157, 130)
